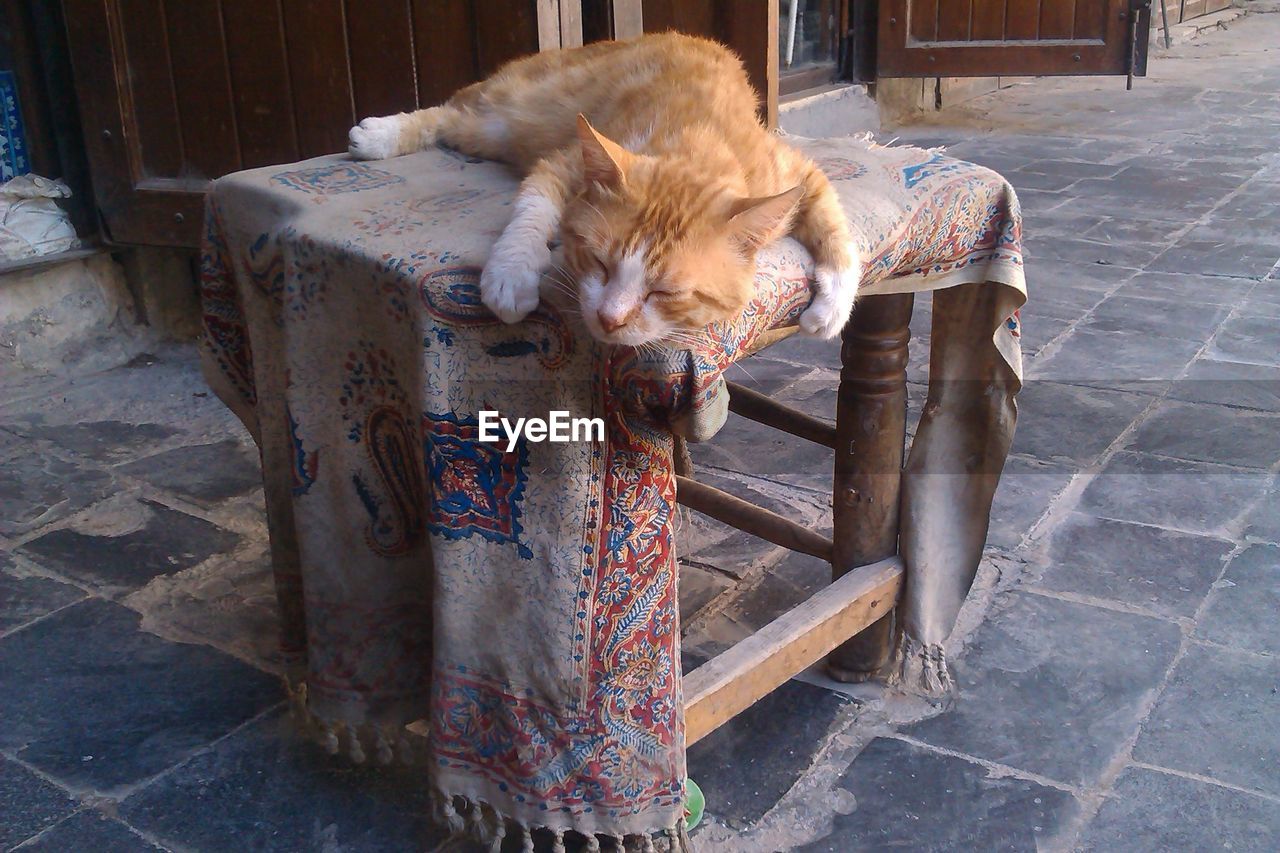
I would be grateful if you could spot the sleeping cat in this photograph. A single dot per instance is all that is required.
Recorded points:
(661, 200)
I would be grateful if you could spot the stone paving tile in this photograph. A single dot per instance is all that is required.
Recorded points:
(1104, 198)
(102, 441)
(228, 602)
(27, 597)
(28, 804)
(1248, 260)
(1255, 340)
(1054, 687)
(117, 705)
(1039, 331)
(1122, 360)
(697, 587)
(764, 602)
(1024, 179)
(807, 574)
(1050, 415)
(1243, 610)
(118, 415)
(1027, 487)
(806, 351)
(264, 788)
(916, 799)
(1245, 233)
(1218, 717)
(206, 473)
(1263, 521)
(1205, 289)
(1161, 811)
(1264, 301)
(1049, 277)
(1066, 303)
(91, 830)
(752, 448)
(1121, 254)
(1072, 168)
(1207, 433)
(1124, 313)
(737, 555)
(162, 542)
(1198, 497)
(1115, 230)
(764, 374)
(1230, 383)
(1166, 572)
(747, 765)
(37, 488)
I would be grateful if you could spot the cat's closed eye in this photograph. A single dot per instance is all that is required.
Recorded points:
(599, 267)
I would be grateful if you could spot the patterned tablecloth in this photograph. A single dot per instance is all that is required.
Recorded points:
(523, 603)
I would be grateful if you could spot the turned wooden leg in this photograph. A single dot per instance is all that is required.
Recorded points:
(871, 415)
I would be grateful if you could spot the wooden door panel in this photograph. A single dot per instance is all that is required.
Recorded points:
(175, 93)
(261, 95)
(967, 38)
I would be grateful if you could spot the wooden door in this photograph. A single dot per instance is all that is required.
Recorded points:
(980, 38)
(749, 27)
(174, 93)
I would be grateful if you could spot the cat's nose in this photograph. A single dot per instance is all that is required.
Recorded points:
(611, 322)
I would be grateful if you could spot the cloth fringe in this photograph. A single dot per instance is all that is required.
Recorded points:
(461, 816)
(481, 822)
(921, 669)
(357, 742)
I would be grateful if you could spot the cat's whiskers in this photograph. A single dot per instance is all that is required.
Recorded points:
(603, 221)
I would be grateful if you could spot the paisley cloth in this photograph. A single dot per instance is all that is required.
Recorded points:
(521, 603)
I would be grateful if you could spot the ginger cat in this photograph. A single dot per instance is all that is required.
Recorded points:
(660, 228)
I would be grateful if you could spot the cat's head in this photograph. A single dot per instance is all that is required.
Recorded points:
(658, 247)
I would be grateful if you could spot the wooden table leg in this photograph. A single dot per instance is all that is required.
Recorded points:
(871, 414)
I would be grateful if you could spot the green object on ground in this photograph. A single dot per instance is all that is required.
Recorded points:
(694, 804)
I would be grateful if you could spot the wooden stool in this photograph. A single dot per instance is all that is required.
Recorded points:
(851, 621)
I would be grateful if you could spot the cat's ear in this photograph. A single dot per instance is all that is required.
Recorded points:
(604, 161)
(755, 221)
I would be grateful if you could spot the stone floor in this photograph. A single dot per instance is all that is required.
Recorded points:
(1117, 660)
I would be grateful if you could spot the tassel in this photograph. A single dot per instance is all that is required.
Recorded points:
(452, 819)
(329, 740)
(404, 750)
(558, 846)
(381, 747)
(526, 840)
(499, 833)
(593, 844)
(355, 749)
(647, 841)
(682, 830)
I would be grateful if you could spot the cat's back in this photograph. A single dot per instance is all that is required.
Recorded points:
(667, 78)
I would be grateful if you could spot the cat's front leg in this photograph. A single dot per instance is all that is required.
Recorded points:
(382, 137)
(835, 291)
(510, 280)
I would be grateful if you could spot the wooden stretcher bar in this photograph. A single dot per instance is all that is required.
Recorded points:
(755, 520)
(736, 679)
(765, 410)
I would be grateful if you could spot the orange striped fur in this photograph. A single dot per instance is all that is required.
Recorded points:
(648, 158)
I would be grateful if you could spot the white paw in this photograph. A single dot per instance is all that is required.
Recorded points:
(375, 138)
(831, 307)
(510, 280)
